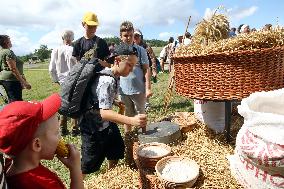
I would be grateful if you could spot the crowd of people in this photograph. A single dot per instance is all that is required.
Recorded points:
(30, 131)
(245, 29)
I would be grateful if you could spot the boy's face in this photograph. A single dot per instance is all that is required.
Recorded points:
(127, 37)
(126, 64)
(50, 137)
(90, 30)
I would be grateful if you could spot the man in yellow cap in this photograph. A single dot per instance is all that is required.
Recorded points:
(90, 41)
(90, 46)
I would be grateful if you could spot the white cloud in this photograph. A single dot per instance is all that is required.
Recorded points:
(42, 21)
(240, 13)
(20, 41)
(50, 17)
(165, 35)
(171, 21)
(234, 14)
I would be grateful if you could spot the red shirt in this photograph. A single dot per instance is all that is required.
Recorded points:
(37, 178)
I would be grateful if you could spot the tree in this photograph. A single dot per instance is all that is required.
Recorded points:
(26, 58)
(43, 52)
(156, 42)
(152, 42)
(114, 40)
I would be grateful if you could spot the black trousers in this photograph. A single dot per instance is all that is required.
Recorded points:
(13, 89)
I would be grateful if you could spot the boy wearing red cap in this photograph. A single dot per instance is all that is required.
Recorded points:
(29, 133)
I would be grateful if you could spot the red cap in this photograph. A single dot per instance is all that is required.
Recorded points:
(19, 121)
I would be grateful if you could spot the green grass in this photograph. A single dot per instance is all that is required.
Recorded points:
(157, 50)
(42, 87)
(39, 65)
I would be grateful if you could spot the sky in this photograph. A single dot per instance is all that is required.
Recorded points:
(31, 23)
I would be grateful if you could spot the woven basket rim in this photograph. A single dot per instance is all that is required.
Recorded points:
(168, 158)
(141, 146)
(239, 52)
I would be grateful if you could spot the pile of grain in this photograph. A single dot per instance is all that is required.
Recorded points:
(212, 29)
(117, 178)
(251, 41)
(202, 145)
(209, 150)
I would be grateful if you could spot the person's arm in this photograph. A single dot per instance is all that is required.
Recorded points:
(103, 52)
(73, 163)
(106, 90)
(52, 66)
(76, 50)
(12, 65)
(148, 82)
(110, 115)
(147, 72)
(153, 59)
(71, 60)
(163, 58)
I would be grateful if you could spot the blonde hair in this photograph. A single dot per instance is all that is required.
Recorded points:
(126, 26)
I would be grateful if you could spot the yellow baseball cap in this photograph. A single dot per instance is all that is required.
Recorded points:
(90, 19)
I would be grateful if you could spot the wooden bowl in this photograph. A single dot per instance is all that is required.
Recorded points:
(150, 153)
(177, 171)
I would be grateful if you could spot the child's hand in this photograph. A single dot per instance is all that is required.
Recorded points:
(26, 85)
(74, 159)
(139, 120)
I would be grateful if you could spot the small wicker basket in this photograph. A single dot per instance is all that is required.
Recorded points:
(149, 160)
(170, 182)
(229, 76)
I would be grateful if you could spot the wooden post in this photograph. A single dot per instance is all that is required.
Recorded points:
(186, 29)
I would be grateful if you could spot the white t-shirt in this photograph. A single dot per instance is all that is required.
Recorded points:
(167, 51)
(187, 41)
(61, 63)
(104, 90)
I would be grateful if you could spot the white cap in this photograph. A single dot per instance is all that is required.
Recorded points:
(243, 28)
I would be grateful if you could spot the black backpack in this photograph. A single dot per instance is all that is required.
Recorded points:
(76, 89)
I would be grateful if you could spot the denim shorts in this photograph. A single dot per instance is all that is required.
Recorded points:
(97, 146)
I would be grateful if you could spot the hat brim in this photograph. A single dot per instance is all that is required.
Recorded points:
(92, 23)
(50, 106)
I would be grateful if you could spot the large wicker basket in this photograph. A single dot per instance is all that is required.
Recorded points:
(229, 76)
